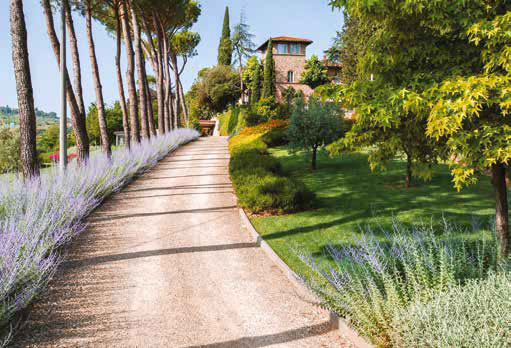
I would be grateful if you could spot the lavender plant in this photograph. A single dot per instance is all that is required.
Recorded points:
(475, 315)
(372, 280)
(38, 217)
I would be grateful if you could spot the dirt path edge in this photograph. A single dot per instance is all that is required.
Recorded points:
(337, 322)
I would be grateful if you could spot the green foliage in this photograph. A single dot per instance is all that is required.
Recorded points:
(242, 41)
(260, 185)
(233, 120)
(215, 89)
(184, 44)
(315, 73)
(114, 121)
(252, 78)
(475, 315)
(48, 141)
(269, 88)
(445, 70)
(225, 47)
(266, 109)
(9, 151)
(275, 137)
(314, 125)
(348, 45)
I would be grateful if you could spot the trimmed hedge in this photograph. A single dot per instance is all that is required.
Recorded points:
(259, 181)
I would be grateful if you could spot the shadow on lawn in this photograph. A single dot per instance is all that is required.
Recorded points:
(347, 184)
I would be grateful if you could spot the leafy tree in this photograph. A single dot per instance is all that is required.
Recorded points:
(217, 88)
(252, 78)
(225, 47)
(348, 44)
(9, 151)
(448, 66)
(314, 125)
(48, 141)
(243, 45)
(315, 73)
(256, 87)
(114, 118)
(269, 88)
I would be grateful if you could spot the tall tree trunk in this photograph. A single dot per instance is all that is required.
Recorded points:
(314, 157)
(159, 77)
(75, 57)
(150, 111)
(100, 104)
(27, 119)
(408, 170)
(501, 208)
(183, 103)
(173, 114)
(130, 74)
(120, 85)
(79, 126)
(142, 103)
(168, 88)
(173, 59)
(149, 107)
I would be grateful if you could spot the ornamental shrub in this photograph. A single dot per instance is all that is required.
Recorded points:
(276, 137)
(374, 283)
(258, 179)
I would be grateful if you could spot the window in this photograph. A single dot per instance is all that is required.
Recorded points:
(295, 49)
(290, 77)
(283, 48)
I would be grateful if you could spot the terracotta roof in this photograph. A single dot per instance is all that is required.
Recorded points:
(284, 39)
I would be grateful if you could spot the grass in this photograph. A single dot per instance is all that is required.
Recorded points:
(349, 196)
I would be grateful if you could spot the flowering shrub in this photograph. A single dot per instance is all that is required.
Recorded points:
(55, 156)
(38, 217)
(373, 281)
(265, 127)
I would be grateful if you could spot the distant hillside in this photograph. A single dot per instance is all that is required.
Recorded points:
(9, 115)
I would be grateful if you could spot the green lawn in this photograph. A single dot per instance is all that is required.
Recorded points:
(349, 197)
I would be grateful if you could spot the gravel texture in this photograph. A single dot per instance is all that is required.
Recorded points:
(165, 263)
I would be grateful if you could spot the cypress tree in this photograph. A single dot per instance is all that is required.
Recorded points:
(256, 85)
(269, 89)
(225, 47)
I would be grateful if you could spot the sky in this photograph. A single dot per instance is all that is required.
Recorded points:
(310, 19)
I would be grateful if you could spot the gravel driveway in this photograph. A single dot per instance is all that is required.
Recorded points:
(165, 263)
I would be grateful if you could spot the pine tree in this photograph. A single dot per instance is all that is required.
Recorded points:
(269, 89)
(225, 47)
(256, 85)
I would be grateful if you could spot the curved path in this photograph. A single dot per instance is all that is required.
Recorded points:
(165, 263)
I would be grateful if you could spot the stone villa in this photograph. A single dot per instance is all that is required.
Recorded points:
(289, 54)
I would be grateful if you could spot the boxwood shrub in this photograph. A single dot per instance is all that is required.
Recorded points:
(259, 181)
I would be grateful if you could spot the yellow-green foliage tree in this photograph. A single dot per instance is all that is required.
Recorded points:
(446, 64)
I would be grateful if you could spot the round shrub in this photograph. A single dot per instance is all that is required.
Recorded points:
(276, 137)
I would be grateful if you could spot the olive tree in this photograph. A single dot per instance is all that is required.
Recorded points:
(314, 125)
